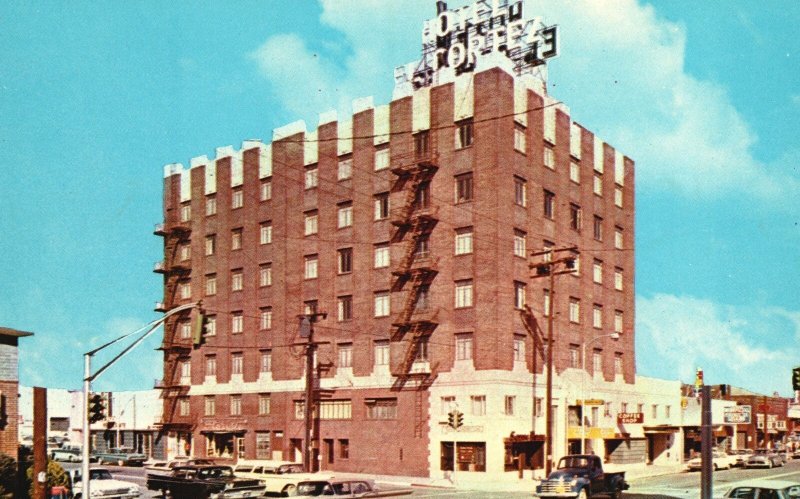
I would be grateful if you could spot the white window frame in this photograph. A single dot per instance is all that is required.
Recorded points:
(211, 205)
(519, 348)
(382, 352)
(344, 171)
(575, 172)
(211, 284)
(463, 241)
(618, 321)
(266, 190)
(237, 280)
(266, 318)
(382, 159)
(211, 244)
(597, 272)
(237, 363)
(265, 362)
(382, 256)
(311, 177)
(549, 158)
(463, 294)
(520, 243)
(345, 216)
(478, 405)
(381, 205)
(265, 233)
(237, 198)
(311, 223)
(345, 355)
(237, 323)
(520, 143)
(382, 304)
(618, 196)
(311, 267)
(574, 310)
(265, 275)
(597, 316)
(618, 278)
(597, 184)
(463, 346)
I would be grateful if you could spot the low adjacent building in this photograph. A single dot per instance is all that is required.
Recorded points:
(9, 387)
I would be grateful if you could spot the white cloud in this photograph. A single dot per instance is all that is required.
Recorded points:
(621, 71)
(752, 348)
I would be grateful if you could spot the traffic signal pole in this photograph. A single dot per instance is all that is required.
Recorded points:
(87, 387)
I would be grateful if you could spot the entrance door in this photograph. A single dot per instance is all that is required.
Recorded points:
(296, 448)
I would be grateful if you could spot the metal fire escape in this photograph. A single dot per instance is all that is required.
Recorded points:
(414, 220)
(176, 349)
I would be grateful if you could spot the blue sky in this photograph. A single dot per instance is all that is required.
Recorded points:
(95, 97)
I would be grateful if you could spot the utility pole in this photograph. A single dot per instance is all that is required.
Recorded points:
(551, 267)
(706, 470)
(307, 322)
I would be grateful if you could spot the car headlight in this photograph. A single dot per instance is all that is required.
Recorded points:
(574, 482)
(133, 490)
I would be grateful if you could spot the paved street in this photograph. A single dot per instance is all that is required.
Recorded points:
(682, 485)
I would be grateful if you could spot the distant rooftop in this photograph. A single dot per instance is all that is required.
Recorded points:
(7, 331)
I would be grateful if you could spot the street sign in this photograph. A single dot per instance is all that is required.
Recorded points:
(590, 402)
(740, 414)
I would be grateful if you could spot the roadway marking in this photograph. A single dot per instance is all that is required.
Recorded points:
(453, 492)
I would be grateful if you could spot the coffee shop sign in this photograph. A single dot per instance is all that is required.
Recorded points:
(459, 38)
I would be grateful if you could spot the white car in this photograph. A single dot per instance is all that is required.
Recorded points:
(102, 484)
(775, 489)
(719, 461)
(65, 455)
(280, 477)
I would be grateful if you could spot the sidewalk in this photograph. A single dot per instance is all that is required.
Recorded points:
(504, 482)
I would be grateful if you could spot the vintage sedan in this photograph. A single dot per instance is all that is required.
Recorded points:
(345, 488)
(764, 458)
(719, 461)
(773, 489)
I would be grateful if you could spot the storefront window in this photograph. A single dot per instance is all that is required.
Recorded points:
(469, 456)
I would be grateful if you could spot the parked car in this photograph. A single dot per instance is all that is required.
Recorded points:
(165, 468)
(122, 456)
(65, 455)
(102, 484)
(773, 489)
(742, 455)
(280, 477)
(764, 458)
(345, 488)
(203, 482)
(719, 461)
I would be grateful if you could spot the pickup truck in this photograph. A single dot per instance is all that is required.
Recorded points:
(102, 484)
(122, 456)
(205, 482)
(581, 476)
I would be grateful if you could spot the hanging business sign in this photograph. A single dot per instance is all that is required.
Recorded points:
(630, 418)
(740, 414)
(461, 37)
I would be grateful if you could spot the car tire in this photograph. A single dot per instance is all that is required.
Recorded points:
(289, 491)
(769, 464)
(582, 494)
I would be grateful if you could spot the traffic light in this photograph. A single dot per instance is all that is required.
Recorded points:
(459, 419)
(97, 408)
(796, 379)
(455, 419)
(451, 419)
(198, 326)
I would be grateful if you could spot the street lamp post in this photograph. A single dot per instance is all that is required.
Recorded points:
(614, 336)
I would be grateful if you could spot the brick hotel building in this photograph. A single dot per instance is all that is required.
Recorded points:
(411, 225)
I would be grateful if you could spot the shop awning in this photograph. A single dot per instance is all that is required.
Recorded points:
(219, 432)
(661, 429)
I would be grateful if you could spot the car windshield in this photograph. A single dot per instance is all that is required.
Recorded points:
(574, 462)
(99, 475)
(215, 473)
(314, 489)
(793, 491)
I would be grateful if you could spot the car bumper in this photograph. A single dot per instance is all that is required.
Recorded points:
(237, 494)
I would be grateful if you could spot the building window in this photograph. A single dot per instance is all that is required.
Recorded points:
(574, 310)
(421, 147)
(345, 215)
(382, 304)
(597, 316)
(546, 303)
(184, 408)
(618, 196)
(311, 222)
(464, 241)
(345, 258)
(186, 212)
(422, 197)
(237, 280)
(618, 321)
(186, 329)
(265, 275)
(185, 252)
(574, 217)
(344, 448)
(312, 177)
(381, 408)
(185, 290)
(597, 185)
(186, 370)
(422, 249)
(667, 411)
(463, 187)
(345, 170)
(264, 404)
(519, 243)
(464, 134)
(448, 403)
(266, 361)
(381, 206)
(381, 256)
(617, 363)
(237, 363)
(520, 292)
(345, 308)
(574, 357)
(464, 346)
(520, 191)
(381, 159)
(211, 325)
(346, 355)
(310, 307)
(549, 158)
(211, 365)
(510, 401)
(478, 403)
(575, 172)
(211, 244)
(211, 205)
(463, 294)
(597, 361)
(211, 284)
(597, 271)
(422, 351)
(266, 190)
(236, 239)
(311, 266)
(237, 322)
(549, 204)
(381, 353)
(210, 408)
(266, 233)
(618, 241)
(237, 199)
(519, 139)
(328, 409)
(618, 278)
(598, 228)
(266, 318)
(519, 348)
